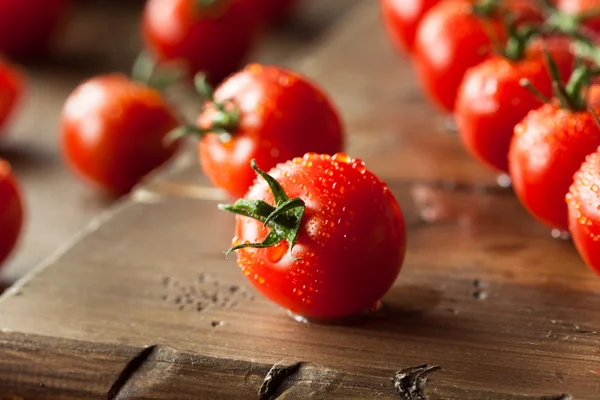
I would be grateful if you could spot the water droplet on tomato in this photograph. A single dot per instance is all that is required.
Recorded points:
(341, 157)
(255, 68)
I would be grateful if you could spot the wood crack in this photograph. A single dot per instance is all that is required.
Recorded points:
(144, 371)
(562, 396)
(129, 371)
(277, 375)
(410, 382)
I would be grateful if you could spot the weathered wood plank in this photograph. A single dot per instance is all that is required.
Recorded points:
(145, 305)
(485, 294)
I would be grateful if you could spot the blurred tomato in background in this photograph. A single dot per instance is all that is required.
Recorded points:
(28, 27)
(214, 38)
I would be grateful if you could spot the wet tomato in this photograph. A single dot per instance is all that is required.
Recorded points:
(265, 113)
(27, 27)
(491, 100)
(401, 19)
(583, 202)
(452, 37)
(113, 131)
(321, 236)
(11, 211)
(547, 148)
(12, 86)
(214, 38)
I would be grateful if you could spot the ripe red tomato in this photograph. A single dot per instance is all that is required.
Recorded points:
(491, 100)
(12, 86)
(583, 202)
(27, 27)
(576, 7)
(214, 39)
(452, 38)
(282, 115)
(113, 131)
(547, 148)
(11, 211)
(401, 19)
(338, 247)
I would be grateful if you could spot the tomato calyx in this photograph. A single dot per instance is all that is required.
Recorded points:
(485, 8)
(224, 115)
(284, 218)
(571, 96)
(571, 25)
(565, 22)
(518, 39)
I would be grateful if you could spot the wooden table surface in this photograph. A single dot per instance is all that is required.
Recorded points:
(144, 305)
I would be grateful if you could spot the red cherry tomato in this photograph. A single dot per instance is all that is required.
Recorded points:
(213, 39)
(547, 148)
(336, 253)
(491, 100)
(583, 202)
(282, 115)
(11, 211)
(452, 38)
(27, 27)
(113, 131)
(12, 86)
(576, 7)
(401, 19)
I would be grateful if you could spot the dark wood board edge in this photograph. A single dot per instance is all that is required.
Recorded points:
(39, 367)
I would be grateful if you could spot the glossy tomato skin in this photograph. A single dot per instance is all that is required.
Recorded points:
(113, 132)
(580, 6)
(12, 87)
(215, 40)
(491, 100)
(547, 148)
(450, 40)
(401, 19)
(283, 115)
(11, 211)
(351, 243)
(583, 202)
(27, 27)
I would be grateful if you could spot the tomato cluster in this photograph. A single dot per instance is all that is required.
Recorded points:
(519, 79)
(319, 233)
(316, 231)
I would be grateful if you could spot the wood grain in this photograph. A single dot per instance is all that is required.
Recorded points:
(144, 305)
